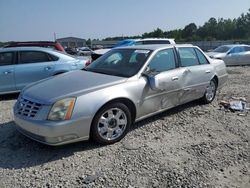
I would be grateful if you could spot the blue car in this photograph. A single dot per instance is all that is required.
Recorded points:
(21, 66)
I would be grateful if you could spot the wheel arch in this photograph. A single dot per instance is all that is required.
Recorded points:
(130, 104)
(215, 77)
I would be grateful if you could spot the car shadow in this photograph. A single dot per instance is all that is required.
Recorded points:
(18, 151)
(9, 97)
(166, 113)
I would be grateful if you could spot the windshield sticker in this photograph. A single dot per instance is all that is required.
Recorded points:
(142, 51)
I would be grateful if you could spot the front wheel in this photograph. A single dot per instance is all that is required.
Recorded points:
(111, 123)
(210, 92)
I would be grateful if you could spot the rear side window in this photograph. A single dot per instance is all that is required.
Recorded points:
(33, 57)
(202, 59)
(188, 57)
(6, 58)
(163, 61)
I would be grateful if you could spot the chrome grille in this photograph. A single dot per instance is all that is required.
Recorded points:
(27, 108)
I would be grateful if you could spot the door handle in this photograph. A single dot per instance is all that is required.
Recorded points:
(7, 72)
(208, 71)
(175, 78)
(47, 68)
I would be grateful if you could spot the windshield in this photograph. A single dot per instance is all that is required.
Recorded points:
(120, 62)
(222, 49)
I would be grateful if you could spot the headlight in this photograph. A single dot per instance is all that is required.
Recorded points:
(62, 109)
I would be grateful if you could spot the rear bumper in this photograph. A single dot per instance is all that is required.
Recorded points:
(54, 133)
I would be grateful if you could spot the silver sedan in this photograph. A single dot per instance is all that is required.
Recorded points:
(237, 54)
(122, 87)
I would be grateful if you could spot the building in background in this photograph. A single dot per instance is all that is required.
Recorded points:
(72, 42)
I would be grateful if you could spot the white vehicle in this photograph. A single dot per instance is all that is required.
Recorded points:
(133, 42)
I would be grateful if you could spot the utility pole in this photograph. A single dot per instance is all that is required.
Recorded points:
(54, 36)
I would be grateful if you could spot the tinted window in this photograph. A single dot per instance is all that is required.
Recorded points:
(33, 57)
(156, 42)
(163, 61)
(6, 58)
(203, 60)
(237, 50)
(188, 57)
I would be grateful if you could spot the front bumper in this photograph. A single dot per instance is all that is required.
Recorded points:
(52, 132)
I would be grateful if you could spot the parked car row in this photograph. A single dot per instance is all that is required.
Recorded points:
(125, 85)
(20, 66)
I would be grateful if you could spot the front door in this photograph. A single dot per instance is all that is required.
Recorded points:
(155, 100)
(7, 75)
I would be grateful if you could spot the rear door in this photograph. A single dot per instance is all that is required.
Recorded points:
(33, 66)
(197, 73)
(7, 81)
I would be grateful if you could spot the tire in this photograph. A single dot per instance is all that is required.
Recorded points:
(210, 92)
(111, 123)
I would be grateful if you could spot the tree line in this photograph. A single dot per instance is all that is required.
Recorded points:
(213, 29)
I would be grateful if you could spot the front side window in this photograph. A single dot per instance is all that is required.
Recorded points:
(120, 62)
(236, 50)
(188, 57)
(33, 57)
(202, 59)
(163, 61)
(6, 58)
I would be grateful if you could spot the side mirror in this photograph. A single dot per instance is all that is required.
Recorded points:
(157, 81)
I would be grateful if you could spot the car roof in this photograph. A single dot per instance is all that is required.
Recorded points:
(234, 45)
(26, 49)
(155, 46)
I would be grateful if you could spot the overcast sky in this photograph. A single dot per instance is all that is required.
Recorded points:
(38, 19)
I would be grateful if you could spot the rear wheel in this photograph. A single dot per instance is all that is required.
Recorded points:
(111, 123)
(210, 92)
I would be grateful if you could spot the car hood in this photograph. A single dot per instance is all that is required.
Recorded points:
(216, 55)
(72, 84)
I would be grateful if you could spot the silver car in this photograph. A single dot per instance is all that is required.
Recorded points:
(20, 66)
(124, 86)
(232, 54)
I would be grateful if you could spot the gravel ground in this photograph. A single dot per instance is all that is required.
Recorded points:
(192, 145)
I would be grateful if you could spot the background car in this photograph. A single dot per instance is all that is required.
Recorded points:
(44, 44)
(232, 54)
(132, 42)
(123, 86)
(23, 65)
(71, 51)
(84, 51)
